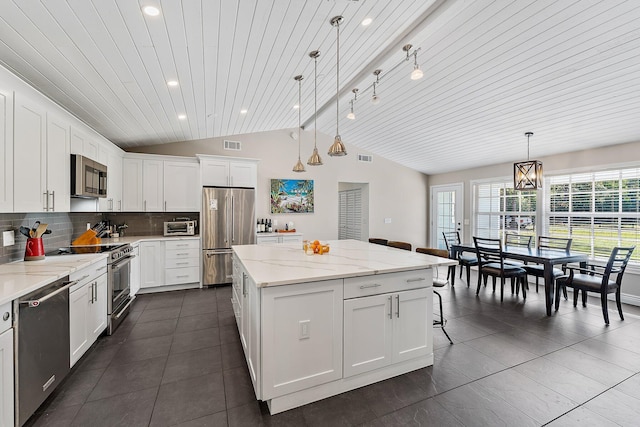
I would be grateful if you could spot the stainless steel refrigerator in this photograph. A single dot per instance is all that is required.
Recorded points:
(228, 218)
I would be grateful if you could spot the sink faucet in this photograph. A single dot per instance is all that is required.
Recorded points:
(121, 229)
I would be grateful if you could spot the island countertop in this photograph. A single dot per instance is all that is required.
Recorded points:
(286, 263)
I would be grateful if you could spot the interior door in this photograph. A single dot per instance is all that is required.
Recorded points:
(446, 212)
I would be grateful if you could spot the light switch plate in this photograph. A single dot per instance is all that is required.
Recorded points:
(304, 331)
(387, 220)
(8, 238)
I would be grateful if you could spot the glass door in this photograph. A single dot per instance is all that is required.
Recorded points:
(446, 212)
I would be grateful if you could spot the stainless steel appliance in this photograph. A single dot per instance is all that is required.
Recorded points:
(180, 228)
(88, 177)
(42, 345)
(228, 218)
(118, 278)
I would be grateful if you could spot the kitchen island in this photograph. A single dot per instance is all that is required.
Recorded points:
(313, 326)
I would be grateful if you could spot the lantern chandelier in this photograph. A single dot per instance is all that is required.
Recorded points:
(527, 175)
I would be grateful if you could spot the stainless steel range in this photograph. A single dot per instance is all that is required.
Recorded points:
(118, 278)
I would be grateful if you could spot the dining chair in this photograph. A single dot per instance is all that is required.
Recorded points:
(378, 241)
(519, 240)
(549, 243)
(400, 245)
(598, 279)
(468, 261)
(441, 322)
(491, 263)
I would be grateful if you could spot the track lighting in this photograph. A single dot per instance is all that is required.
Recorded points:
(375, 99)
(417, 73)
(351, 115)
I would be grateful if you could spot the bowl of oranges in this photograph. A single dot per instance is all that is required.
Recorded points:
(314, 247)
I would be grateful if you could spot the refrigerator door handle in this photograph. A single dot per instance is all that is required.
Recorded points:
(233, 225)
(226, 218)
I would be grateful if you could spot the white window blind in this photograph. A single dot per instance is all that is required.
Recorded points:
(498, 209)
(350, 214)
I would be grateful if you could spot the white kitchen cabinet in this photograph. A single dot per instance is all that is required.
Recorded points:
(182, 261)
(132, 189)
(84, 145)
(87, 308)
(113, 161)
(301, 341)
(6, 150)
(264, 238)
(380, 330)
(6, 366)
(221, 172)
(151, 264)
(135, 269)
(249, 326)
(41, 159)
(152, 186)
(181, 189)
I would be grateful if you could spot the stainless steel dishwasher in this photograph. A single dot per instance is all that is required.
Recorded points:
(42, 345)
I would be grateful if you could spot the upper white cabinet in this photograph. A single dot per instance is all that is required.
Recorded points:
(181, 189)
(41, 158)
(82, 144)
(113, 161)
(153, 185)
(225, 172)
(6, 150)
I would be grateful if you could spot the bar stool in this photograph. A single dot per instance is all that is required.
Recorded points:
(438, 283)
(400, 245)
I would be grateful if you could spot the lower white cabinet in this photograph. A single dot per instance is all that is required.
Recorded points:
(380, 330)
(134, 285)
(87, 308)
(262, 239)
(6, 367)
(169, 262)
(151, 264)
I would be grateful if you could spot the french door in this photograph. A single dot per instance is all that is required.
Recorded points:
(446, 212)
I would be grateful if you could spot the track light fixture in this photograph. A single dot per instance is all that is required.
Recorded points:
(375, 99)
(351, 115)
(417, 73)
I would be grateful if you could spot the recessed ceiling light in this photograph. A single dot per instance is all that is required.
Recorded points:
(182, 116)
(295, 107)
(366, 21)
(172, 83)
(151, 10)
(243, 111)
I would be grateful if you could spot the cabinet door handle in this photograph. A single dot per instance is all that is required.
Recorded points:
(417, 279)
(244, 292)
(6, 316)
(165, 205)
(373, 285)
(119, 205)
(45, 205)
(398, 305)
(144, 208)
(53, 202)
(390, 307)
(101, 268)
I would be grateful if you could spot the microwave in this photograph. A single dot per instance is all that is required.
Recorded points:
(180, 228)
(88, 177)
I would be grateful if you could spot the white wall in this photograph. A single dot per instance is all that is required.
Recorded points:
(622, 155)
(395, 191)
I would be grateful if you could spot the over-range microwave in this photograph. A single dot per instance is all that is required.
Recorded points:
(88, 177)
(180, 228)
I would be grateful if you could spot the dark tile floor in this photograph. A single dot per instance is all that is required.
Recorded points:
(177, 361)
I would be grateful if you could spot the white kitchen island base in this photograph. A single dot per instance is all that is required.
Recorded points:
(316, 326)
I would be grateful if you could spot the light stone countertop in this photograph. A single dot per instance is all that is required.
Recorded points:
(286, 263)
(19, 278)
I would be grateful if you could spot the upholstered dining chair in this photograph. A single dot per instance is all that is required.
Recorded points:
(378, 241)
(441, 322)
(465, 261)
(491, 263)
(598, 279)
(400, 245)
(549, 243)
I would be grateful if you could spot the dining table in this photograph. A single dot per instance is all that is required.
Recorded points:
(546, 257)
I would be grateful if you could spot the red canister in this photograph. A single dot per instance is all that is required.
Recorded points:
(34, 249)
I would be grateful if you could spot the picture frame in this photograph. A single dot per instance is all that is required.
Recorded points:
(292, 196)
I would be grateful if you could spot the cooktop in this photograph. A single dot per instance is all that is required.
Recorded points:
(89, 249)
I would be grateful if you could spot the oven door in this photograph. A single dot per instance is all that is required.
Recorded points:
(91, 179)
(119, 280)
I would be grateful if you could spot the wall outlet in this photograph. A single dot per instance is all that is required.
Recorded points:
(8, 238)
(304, 329)
(387, 220)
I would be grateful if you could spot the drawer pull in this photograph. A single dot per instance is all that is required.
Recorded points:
(183, 253)
(419, 279)
(373, 285)
(182, 245)
(182, 263)
(183, 275)
(101, 268)
(6, 316)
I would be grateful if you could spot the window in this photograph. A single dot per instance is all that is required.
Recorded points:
(598, 210)
(500, 209)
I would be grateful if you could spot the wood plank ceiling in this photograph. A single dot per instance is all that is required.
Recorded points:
(568, 70)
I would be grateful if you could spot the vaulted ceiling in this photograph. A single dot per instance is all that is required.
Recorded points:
(567, 70)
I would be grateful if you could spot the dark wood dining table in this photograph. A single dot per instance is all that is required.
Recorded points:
(547, 257)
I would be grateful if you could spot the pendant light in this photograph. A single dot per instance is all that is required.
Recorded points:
(417, 73)
(337, 148)
(299, 167)
(315, 159)
(527, 175)
(351, 115)
(375, 99)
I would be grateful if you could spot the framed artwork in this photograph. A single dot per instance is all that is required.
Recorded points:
(291, 196)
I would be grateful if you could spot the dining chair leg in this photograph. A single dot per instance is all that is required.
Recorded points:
(557, 300)
(575, 297)
(537, 283)
(468, 274)
(564, 292)
(619, 304)
(584, 298)
(479, 283)
(501, 287)
(605, 312)
(514, 289)
(524, 287)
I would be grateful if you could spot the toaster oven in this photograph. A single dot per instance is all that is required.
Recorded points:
(180, 228)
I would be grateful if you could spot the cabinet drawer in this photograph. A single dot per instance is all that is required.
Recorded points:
(176, 276)
(182, 244)
(5, 316)
(182, 253)
(355, 287)
(88, 274)
(182, 262)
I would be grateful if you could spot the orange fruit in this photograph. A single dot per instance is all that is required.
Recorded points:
(325, 249)
(316, 242)
(316, 249)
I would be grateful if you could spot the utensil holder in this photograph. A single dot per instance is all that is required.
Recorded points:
(34, 249)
